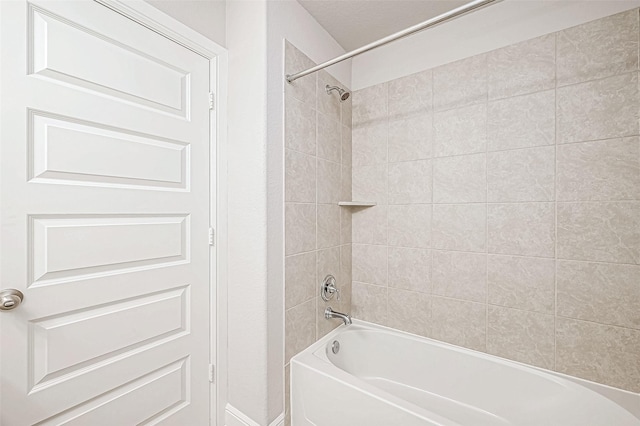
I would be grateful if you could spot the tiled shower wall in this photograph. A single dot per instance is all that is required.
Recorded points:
(508, 191)
(317, 230)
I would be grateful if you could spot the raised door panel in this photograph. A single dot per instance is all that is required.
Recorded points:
(145, 80)
(67, 345)
(65, 248)
(146, 400)
(68, 151)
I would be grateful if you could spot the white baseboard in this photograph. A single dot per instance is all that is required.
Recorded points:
(235, 417)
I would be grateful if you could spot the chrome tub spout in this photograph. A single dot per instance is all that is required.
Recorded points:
(330, 313)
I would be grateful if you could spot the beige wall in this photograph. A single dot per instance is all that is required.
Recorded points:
(317, 230)
(508, 187)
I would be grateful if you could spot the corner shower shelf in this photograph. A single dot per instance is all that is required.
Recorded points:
(357, 203)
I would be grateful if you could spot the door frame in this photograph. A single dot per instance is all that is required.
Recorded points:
(145, 14)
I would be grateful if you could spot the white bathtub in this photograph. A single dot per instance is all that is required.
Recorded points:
(383, 377)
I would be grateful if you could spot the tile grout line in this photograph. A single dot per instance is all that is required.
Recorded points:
(486, 184)
(555, 204)
(431, 151)
(317, 252)
(386, 118)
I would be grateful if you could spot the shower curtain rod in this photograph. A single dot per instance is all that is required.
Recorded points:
(454, 13)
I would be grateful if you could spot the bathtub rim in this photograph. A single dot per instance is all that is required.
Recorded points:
(310, 361)
(630, 401)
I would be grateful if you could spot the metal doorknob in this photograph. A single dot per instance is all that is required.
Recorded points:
(10, 299)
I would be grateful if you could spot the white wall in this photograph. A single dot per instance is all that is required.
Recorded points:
(248, 344)
(255, 33)
(495, 26)
(205, 16)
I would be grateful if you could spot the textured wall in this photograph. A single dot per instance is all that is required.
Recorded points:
(317, 230)
(249, 337)
(508, 186)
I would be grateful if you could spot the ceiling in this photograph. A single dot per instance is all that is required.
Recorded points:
(354, 23)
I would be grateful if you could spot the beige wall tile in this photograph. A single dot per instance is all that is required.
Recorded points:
(369, 104)
(328, 221)
(345, 270)
(328, 104)
(460, 83)
(410, 269)
(522, 121)
(325, 167)
(370, 143)
(459, 322)
(344, 281)
(526, 229)
(370, 225)
(522, 68)
(300, 126)
(303, 89)
(461, 179)
(410, 312)
(410, 137)
(347, 109)
(299, 228)
(369, 264)
(300, 177)
(459, 227)
(602, 353)
(346, 191)
(605, 232)
(346, 225)
(599, 292)
(598, 49)
(460, 131)
(300, 279)
(328, 264)
(521, 175)
(331, 262)
(329, 181)
(601, 170)
(504, 103)
(370, 183)
(369, 302)
(410, 225)
(329, 139)
(521, 336)
(460, 275)
(347, 142)
(598, 109)
(410, 182)
(411, 94)
(526, 283)
(300, 328)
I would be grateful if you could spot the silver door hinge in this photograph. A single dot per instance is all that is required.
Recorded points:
(212, 235)
(212, 372)
(212, 100)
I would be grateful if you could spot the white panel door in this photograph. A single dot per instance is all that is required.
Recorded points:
(105, 215)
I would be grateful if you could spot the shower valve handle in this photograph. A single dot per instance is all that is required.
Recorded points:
(328, 288)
